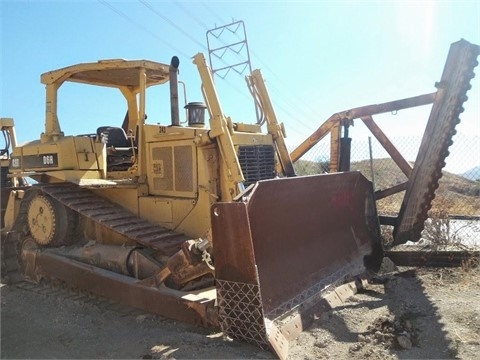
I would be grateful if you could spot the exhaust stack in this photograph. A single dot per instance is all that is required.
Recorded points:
(174, 91)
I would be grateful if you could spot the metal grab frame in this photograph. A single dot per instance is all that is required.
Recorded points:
(423, 177)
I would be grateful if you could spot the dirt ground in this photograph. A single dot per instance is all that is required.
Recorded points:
(407, 314)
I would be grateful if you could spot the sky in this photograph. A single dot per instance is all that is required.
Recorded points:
(318, 58)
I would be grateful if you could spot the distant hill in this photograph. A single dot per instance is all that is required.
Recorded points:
(456, 194)
(473, 173)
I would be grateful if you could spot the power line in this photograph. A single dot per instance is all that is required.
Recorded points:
(212, 12)
(178, 28)
(264, 65)
(199, 22)
(205, 27)
(281, 81)
(141, 27)
(295, 108)
(145, 29)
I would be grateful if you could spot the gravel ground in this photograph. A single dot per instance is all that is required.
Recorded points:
(407, 314)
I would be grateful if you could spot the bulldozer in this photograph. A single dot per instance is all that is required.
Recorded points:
(206, 224)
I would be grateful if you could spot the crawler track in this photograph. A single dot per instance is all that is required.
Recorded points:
(111, 216)
(101, 211)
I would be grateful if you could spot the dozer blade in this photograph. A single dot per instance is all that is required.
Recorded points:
(444, 116)
(279, 251)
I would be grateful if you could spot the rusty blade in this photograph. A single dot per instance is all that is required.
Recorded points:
(238, 293)
(310, 231)
(290, 240)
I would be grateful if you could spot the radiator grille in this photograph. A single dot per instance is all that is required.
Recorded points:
(172, 168)
(183, 168)
(257, 162)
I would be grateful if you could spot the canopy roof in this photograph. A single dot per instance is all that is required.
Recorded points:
(113, 73)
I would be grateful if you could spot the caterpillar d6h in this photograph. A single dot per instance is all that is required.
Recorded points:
(203, 224)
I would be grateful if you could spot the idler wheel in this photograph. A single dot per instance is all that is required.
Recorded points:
(47, 221)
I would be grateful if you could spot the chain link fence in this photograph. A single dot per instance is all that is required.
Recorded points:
(455, 213)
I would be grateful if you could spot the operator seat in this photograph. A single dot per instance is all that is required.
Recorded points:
(119, 148)
(113, 136)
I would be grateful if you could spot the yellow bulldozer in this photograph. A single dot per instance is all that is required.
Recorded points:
(207, 224)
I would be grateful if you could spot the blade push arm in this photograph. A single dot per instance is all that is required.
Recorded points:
(220, 129)
(274, 128)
